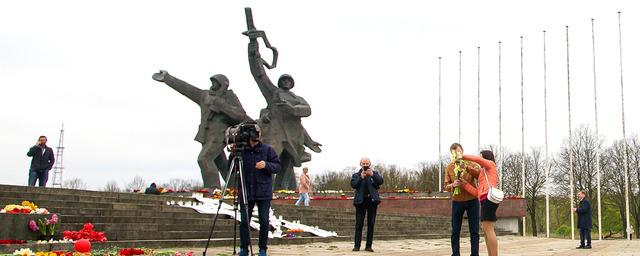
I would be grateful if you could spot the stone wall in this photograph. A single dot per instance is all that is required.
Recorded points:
(427, 207)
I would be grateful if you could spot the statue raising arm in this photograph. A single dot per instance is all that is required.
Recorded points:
(256, 65)
(184, 88)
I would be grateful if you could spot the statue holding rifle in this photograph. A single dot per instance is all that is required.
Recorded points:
(281, 119)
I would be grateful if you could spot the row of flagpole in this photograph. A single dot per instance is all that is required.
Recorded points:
(570, 140)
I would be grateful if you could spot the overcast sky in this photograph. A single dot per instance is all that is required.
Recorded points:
(369, 70)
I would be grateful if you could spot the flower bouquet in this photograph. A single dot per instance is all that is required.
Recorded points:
(47, 227)
(459, 167)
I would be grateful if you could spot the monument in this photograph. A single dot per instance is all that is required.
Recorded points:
(280, 121)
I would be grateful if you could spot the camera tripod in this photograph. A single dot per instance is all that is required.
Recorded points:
(235, 167)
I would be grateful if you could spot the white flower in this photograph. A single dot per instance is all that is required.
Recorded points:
(23, 251)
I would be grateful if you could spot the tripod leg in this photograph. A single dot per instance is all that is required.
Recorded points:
(244, 208)
(215, 219)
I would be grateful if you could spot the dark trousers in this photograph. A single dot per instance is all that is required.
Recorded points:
(585, 234)
(368, 208)
(472, 207)
(263, 218)
(42, 177)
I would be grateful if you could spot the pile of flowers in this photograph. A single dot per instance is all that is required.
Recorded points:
(131, 251)
(86, 232)
(12, 241)
(25, 207)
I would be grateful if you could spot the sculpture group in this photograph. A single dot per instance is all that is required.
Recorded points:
(220, 108)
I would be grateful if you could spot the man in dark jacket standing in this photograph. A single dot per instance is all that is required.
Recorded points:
(41, 162)
(260, 162)
(584, 221)
(366, 182)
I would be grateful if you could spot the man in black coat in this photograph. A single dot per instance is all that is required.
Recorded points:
(41, 162)
(584, 221)
(366, 182)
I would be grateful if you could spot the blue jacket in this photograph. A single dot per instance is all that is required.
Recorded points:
(373, 182)
(584, 214)
(259, 183)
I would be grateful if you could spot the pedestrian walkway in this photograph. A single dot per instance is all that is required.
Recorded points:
(508, 246)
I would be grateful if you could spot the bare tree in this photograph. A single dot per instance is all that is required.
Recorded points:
(75, 183)
(333, 180)
(112, 186)
(426, 177)
(534, 182)
(613, 178)
(136, 184)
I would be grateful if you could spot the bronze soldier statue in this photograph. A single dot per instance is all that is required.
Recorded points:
(220, 109)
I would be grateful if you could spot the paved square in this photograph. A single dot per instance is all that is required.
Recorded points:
(508, 245)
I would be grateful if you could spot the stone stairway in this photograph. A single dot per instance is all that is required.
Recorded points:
(138, 220)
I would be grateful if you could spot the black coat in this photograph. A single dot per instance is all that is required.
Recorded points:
(584, 214)
(41, 162)
(373, 183)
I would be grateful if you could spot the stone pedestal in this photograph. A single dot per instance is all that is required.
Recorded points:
(16, 226)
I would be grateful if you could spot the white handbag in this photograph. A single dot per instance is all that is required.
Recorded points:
(494, 195)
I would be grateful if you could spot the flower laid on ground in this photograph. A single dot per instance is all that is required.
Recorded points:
(86, 232)
(284, 191)
(51, 241)
(131, 251)
(54, 253)
(24, 252)
(292, 233)
(12, 241)
(31, 205)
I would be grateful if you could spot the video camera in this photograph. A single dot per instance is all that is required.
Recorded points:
(240, 134)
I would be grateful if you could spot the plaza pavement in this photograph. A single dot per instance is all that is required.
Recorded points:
(508, 245)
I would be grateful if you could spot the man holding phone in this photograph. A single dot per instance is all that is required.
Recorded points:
(366, 182)
(41, 162)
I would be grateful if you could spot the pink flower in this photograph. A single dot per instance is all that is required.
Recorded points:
(54, 219)
(33, 226)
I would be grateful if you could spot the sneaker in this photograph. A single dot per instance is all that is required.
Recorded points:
(243, 252)
(587, 247)
(262, 253)
(355, 249)
(369, 249)
(580, 247)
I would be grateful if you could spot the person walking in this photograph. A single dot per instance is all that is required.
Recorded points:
(461, 202)
(366, 182)
(304, 188)
(584, 221)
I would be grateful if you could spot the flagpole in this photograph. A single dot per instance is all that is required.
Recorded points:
(595, 109)
(569, 149)
(439, 124)
(624, 134)
(546, 136)
(524, 218)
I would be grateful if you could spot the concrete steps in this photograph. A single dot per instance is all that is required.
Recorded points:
(138, 220)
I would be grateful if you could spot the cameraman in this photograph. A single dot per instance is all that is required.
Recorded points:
(366, 182)
(259, 162)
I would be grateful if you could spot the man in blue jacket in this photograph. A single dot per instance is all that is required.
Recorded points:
(366, 182)
(260, 162)
(584, 221)
(41, 162)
